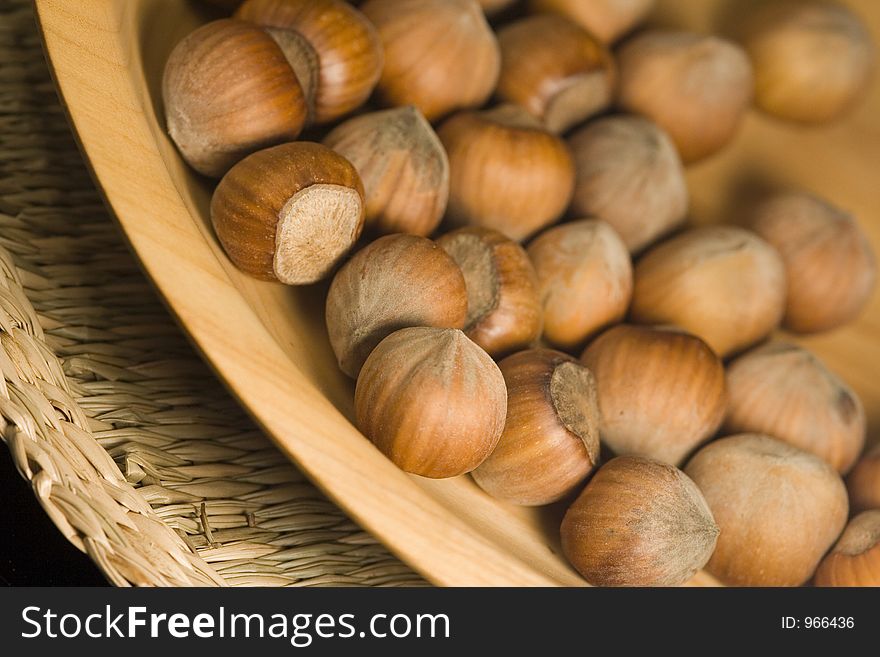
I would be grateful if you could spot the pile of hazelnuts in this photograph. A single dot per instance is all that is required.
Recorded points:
(501, 211)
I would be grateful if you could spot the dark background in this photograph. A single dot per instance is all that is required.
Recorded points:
(32, 550)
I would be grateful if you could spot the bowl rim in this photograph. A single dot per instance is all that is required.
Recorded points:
(86, 55)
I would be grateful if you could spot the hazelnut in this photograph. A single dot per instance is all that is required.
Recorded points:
(784, 391)
(661, 391)
(229, 90)
(403, 167)
(555, 69)
(829, 262)
(438, 80)
(607, 19)
(415, 400)
(506, 171)
(855, 558)
(585, 280)
(344, 43)
(721, 283)
(395, 282)
(812, 60)
(864, 482)
(551, 436)
(779, 509)
(289, 213)
(504, 311)
(638, 522)
(697, 88)
(629, 175)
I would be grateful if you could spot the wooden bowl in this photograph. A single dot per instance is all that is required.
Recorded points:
(268, 342)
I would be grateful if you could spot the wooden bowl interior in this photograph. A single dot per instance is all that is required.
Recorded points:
(268, 342)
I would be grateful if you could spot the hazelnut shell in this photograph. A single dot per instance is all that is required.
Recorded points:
(504, 309)
(347, 46)
(228, 91)
(551, 437)
(415, 401)
(506, 171)
(721, 283)
(697, 88)
(629, 175)
(829, 264)
(784, 391)
(438, 80)
(863, 482)
(403, 166)
(289, 212)
(607, 19)
(778, 507)
(813, 60)
(561, 84)
(638, 522)
(398, 281)
(661, 391)
(855, 558)
(584, 277)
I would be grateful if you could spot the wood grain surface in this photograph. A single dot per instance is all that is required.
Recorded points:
(268, 342)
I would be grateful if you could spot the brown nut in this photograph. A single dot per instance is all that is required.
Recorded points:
(432, 401)
(863, 482)
(344, 43)
(403, 167)
(779, 509)
(721, 283)
(229, 90)
(829, 263)
(397, 281)
(855, 559)
(504, 311)
(555, 69)
(607, 19)
(638, 522)
(629, 175)
(551, 437)
(812, 59)
(697, 88)
(289, 213)
(661, 391)
(506, 171)
(784, 391)
(585, 280)
(438, 80)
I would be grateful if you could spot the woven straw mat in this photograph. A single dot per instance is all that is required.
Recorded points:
(131, 446)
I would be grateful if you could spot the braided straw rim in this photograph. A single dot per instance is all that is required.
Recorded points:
(131, 446)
